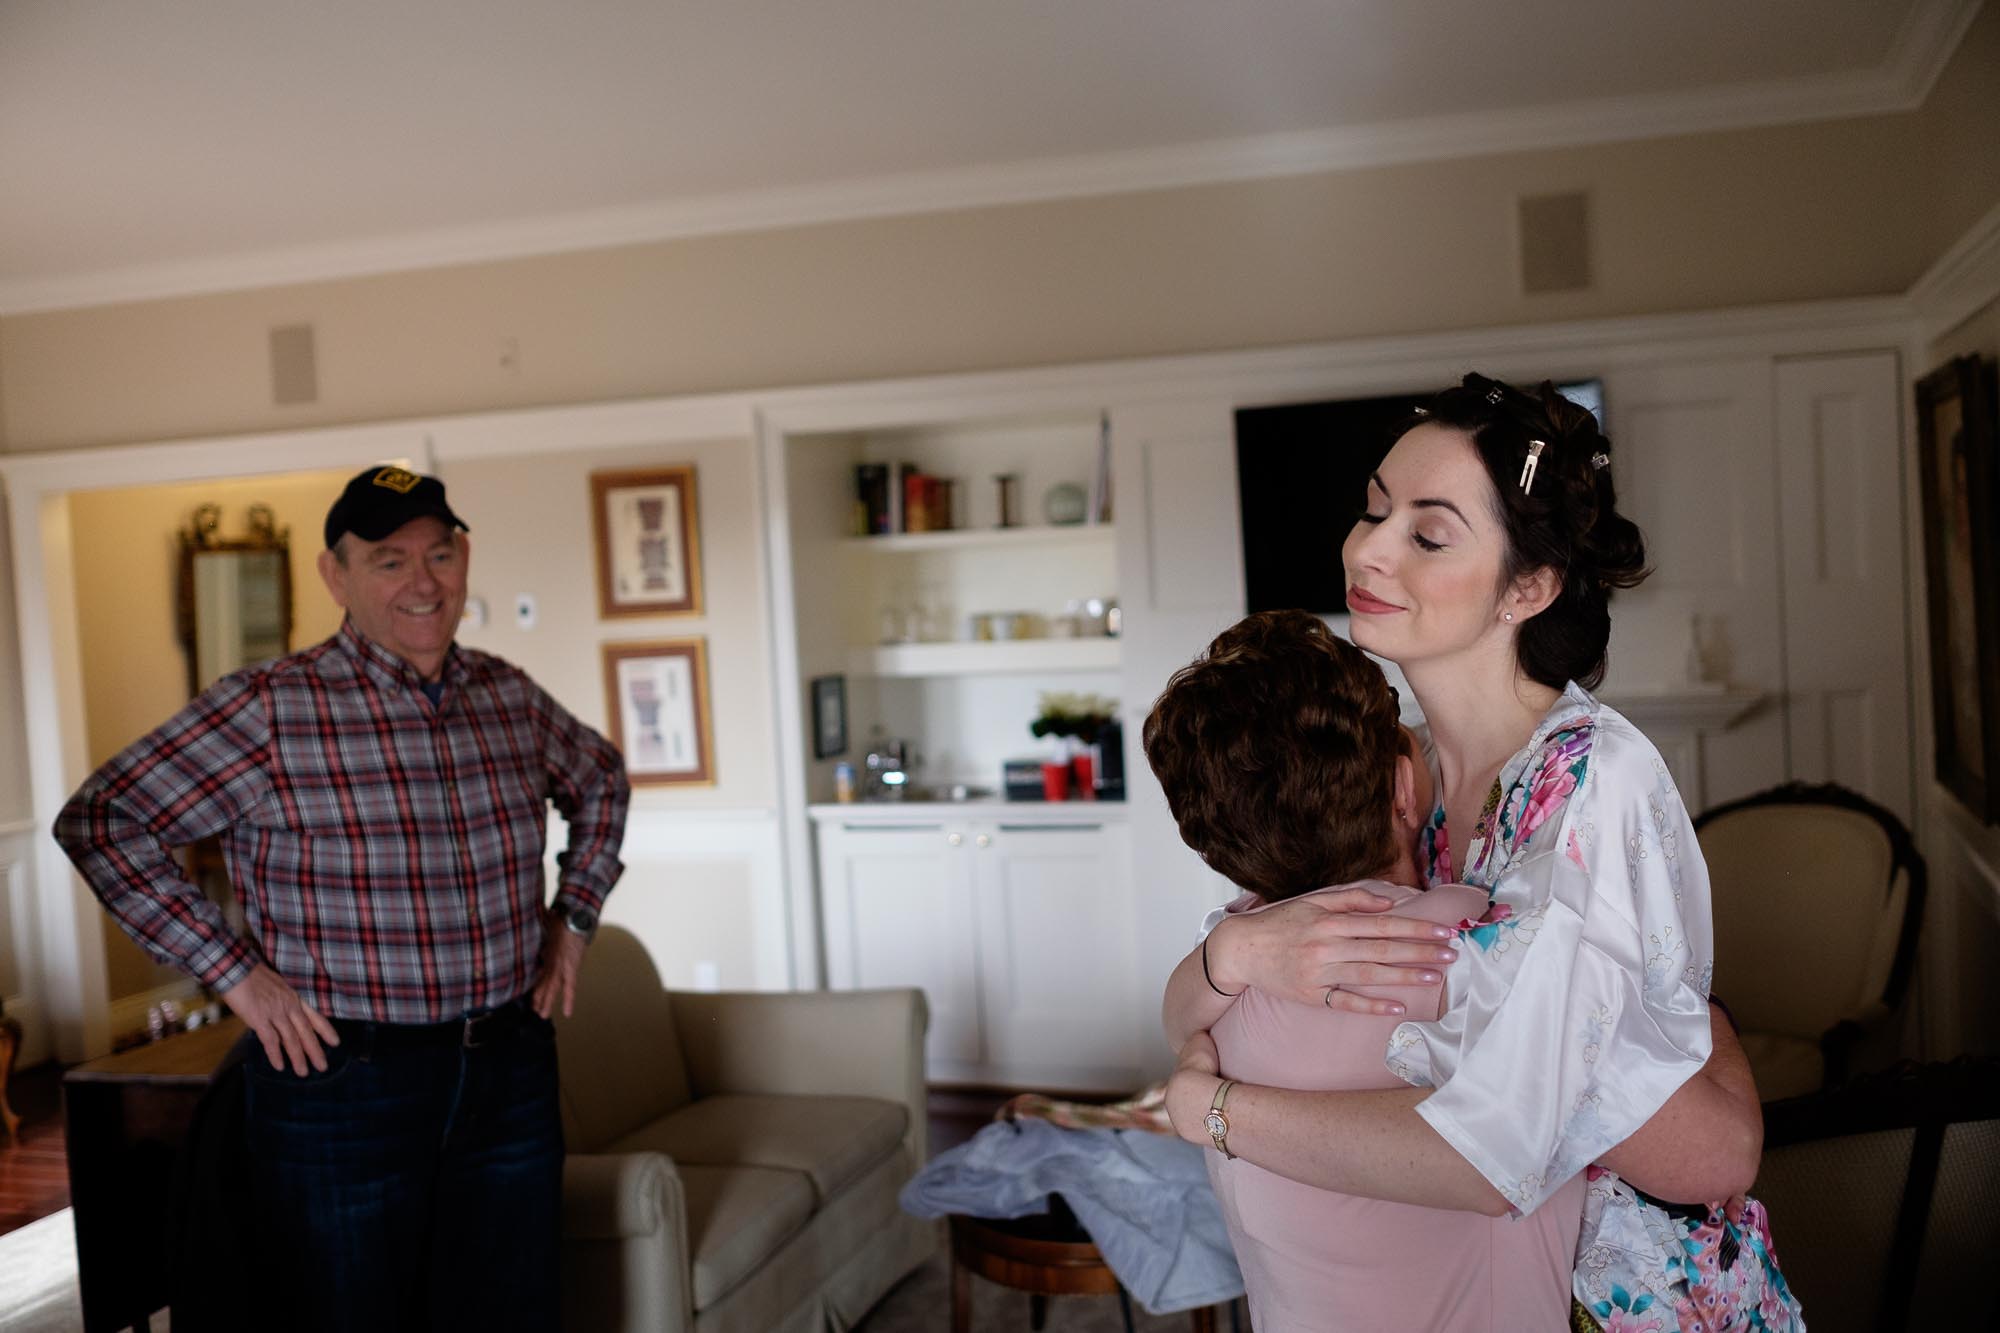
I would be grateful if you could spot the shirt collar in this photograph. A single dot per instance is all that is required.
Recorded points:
(385, 668)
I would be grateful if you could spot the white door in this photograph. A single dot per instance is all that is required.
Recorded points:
(897, 909)
(1840, 497)
(1057, 986)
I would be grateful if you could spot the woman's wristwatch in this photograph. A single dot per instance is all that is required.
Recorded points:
(1216, 1123)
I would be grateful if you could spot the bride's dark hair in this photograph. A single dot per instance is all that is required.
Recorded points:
(1566, 520)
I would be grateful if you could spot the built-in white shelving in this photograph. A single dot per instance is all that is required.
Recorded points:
(984, 658)
(960, 539)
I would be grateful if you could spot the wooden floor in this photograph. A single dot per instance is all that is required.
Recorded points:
(34, 1176)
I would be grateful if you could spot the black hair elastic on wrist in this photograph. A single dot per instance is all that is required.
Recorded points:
(1227, 995)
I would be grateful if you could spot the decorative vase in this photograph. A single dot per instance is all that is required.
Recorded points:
(1084, 766)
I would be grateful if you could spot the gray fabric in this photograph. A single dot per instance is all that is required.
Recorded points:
(1144, 1199)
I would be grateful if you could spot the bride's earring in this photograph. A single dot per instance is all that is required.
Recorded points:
(1507, 616)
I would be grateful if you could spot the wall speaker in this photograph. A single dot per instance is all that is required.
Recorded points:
(294, 366)
(1555, 242)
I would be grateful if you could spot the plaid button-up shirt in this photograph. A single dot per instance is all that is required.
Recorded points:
(388, 852)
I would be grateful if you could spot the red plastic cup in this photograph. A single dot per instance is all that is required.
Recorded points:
(1055, 782)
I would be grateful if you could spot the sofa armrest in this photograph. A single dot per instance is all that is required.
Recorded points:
(853, 1043)
(625, 1256)
(616, 1196)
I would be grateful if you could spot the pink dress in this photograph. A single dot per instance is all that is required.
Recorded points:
(1314, 1260)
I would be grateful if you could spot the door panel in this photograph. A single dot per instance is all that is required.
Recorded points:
(1841, 505)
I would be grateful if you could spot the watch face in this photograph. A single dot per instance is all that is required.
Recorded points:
(1215, 1124)
(582, 920)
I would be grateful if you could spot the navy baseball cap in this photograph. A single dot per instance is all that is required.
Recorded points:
(382, 499)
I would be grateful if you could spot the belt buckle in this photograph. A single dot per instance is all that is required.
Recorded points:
(470, 1037)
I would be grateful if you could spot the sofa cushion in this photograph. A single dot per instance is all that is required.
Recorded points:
(737, 1217)
(830, 1139)
(621, 1063)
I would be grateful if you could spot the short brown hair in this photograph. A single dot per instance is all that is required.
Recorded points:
(1277, 748)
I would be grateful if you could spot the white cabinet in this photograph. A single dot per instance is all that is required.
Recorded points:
(1017, 927)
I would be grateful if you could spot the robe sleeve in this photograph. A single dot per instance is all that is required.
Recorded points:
(1578, 1008)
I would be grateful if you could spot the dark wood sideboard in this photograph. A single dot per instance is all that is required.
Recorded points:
(127, 1116)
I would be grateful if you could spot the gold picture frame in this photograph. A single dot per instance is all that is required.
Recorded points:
(648, 542)
(656, 694)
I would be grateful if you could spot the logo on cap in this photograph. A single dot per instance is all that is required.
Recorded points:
(400, 480)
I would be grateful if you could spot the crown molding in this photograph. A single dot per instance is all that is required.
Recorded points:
(1930, 33)
(1964, 280)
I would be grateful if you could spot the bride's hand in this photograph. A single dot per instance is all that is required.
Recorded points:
(1307, 949)
(1192, 1087)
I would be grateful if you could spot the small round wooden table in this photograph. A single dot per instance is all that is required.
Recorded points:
(1045, 1255)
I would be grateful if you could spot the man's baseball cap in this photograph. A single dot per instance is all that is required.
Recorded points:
(382, 499)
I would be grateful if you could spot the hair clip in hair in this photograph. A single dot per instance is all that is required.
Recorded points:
(1495, 394)
(1420, 411)
(1529, 464)
(1600, 460)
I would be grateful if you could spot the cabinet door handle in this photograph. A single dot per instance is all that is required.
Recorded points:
(984, 840)
(954, 838)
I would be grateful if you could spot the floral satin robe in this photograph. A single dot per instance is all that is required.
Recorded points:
(1578, 1005)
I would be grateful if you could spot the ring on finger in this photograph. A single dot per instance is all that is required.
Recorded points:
(1328, 999)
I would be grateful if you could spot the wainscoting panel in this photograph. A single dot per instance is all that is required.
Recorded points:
(705, 891)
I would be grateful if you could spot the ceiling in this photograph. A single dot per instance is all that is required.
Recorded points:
(184, 145)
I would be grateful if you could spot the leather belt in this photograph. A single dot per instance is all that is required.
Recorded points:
(476, 1029)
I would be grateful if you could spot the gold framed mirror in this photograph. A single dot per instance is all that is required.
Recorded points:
(235, 594)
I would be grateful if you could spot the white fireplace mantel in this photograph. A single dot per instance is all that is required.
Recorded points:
(1675, 718)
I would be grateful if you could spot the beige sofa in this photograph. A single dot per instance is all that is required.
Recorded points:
(735, 1158)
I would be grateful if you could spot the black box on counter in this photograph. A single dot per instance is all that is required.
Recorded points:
(1021, 780)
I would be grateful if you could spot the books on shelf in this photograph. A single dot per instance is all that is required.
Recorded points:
(902, 499)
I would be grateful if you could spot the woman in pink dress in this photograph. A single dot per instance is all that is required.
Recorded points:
(1576, 1032)
(1283, 729)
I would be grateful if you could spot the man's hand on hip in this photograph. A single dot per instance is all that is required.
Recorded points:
(562, 959)
(290, 1029)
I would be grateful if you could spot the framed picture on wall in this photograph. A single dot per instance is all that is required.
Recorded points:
(1955, 439)
(659, 714)
(829, 704)
(648, 543)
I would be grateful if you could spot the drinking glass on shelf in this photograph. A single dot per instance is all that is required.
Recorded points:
(901, 620)
(933, 614)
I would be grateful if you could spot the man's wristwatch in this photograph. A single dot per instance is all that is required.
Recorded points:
(1216, 1123)
(580, 921)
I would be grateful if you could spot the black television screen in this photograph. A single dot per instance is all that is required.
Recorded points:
(1301, 477)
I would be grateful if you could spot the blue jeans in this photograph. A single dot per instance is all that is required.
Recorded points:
(413, 1185)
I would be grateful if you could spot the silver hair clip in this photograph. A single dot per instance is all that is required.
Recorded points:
(1495, 394)
(1600, 460)
(1528, 465)
(1421, 411)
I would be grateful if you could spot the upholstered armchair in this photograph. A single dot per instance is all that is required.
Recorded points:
(1819, 896)
(735, 1158)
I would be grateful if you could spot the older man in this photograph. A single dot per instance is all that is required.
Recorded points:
(382, 802)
